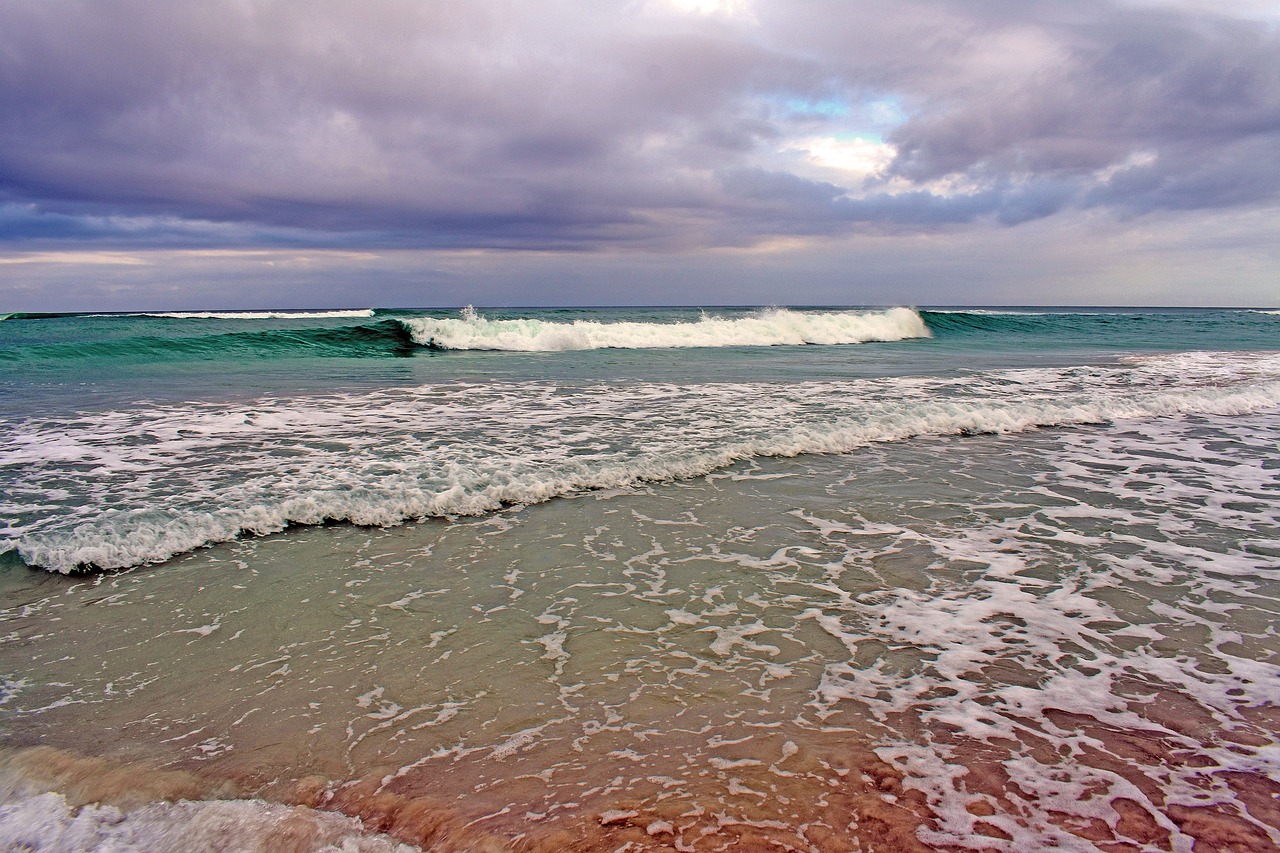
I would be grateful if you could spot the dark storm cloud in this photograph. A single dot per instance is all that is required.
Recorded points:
(628, 123)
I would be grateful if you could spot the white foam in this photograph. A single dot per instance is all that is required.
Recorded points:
(258, 315)
(1040, 637)
(47, 822)
(773, 327)
(129, 487)
(1007, 585)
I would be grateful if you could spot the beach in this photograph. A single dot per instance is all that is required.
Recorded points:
(881, 579)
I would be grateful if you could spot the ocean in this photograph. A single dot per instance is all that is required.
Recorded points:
(809, 579)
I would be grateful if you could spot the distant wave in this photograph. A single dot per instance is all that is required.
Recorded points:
(986, 321)
(385, 338)
(380, 333)
(40, 315)
(769, 327)
(1207, 329)
(1016, 312)
(1063, 314)
(254, 315)
(1100, 325)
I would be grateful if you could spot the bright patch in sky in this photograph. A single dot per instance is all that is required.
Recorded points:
(1138, 160)
(735, 8)
(74, 257)
(853, 156)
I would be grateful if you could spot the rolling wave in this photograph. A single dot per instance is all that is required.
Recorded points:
(405, 335)
(1206, 329)
(126, 488)
(386, 338)
(987, 321)
(771, 327)
(341, 334)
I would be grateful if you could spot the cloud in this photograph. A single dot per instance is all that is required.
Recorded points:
(74, 258)
(620, 124)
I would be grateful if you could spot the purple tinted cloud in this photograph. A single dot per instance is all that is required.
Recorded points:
(628, 123)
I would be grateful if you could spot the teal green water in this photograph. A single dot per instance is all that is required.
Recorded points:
(45, 358)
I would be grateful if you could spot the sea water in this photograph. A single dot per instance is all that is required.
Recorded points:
(644, 579)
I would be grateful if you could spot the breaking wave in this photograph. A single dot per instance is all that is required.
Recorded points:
(390, 334)
(126, 488)
(771, 327)
(379, 333)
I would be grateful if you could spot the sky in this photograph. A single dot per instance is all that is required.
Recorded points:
(187, 154)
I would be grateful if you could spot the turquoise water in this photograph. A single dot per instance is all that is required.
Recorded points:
(83, 356)
(250, 423)
(830, 579)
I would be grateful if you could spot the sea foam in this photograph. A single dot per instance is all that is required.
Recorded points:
(47, 822)
(1035, 627)
(772, 327)
(125, 488)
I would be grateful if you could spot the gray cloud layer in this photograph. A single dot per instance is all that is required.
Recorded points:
(501, 123)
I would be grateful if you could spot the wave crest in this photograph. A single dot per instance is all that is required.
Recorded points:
(771, 327)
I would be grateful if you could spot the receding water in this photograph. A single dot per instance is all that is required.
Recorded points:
(1015, 643)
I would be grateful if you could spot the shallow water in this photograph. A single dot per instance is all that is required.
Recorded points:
(1058, 639)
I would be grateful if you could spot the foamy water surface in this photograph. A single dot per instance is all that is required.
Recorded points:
(1055, 640)
(641, 580)
(121, 488)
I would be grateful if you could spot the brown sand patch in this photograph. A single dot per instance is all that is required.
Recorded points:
(83, 779)
(422, 821)
(1218, 829)
(1148, 758)
(1259, 795)
(838, 799)
(846, 801)
(1137, 825)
